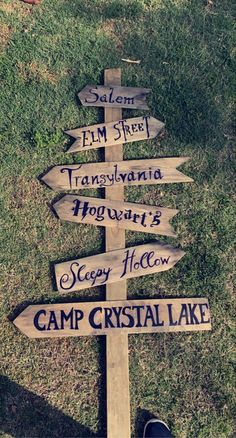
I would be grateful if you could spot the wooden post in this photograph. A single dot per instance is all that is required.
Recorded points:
(118, 400)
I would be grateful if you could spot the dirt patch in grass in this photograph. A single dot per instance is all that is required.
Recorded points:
(5, 36)
(15, 8)
(39, 72)
(109, 28)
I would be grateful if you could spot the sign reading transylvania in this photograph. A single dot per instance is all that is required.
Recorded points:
(116, 214)
(101, 318)
(100, 175)
(114, 96)
(118, 132)
(115, 265)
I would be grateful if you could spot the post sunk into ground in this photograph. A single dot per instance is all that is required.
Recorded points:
(118, 399)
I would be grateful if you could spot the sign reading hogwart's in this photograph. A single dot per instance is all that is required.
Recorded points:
(118, 132)
(102, 318)
(115, 266)
(100, 175)
(114, 96)
(127, 215)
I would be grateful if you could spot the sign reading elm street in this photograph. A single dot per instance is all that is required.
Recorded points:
(101, 318)
(115, 266)
(112, 133)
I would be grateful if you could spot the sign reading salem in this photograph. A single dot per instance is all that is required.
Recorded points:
(118, 132)
(101, 318)
(100, 175)
(114, 96)
(115, 214)
(115, 265)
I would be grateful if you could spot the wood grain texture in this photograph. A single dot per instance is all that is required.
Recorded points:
(116, 214)
(116, 173)
(115, 132)
(118, 395)
(113, 96)
(116, 265)
(114, 317)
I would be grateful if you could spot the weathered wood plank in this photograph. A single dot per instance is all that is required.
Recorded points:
(114, 96)
(115, 132)
(114, 317)
(115, 265)
(116, 214)
(116, 173)
(118, 397)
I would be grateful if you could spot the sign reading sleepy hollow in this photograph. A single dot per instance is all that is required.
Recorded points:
(116, 214)
(115, 266)
(100, 175)
(101, 318)
(118, 132)
(114, 96)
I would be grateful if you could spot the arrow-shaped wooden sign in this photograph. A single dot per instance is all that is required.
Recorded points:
(108, 317)
(114, 96)
(115, 265)
(100, 175)
(113, 133)
(115, 214)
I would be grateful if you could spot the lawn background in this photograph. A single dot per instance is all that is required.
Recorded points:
(49, 53)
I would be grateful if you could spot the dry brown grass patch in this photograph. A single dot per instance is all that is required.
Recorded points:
(5, 36)
(40, 72)
(15, 7)
(108, 27)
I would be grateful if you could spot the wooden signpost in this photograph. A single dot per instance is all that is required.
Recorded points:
(101, 175)
(115, 265)
(116, 317)
(116, 214)
(117, 132)
(103, 318)
(114, 96)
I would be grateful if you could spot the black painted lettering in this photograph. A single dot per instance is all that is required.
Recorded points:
(85, 138)
(128, 101)
(158, 322)
(138, 315)
(183, 315)
(156, 221)
(78, 316)
(67, 317)
(193, 318)
(92, 317)
(171, 321)
(41, 328)
(128, 262)
(66, 282)
(202, 313)
(117, 312)
(107, 317)
(129, 316)
(149, 315)
(52, 321)
(102, 134)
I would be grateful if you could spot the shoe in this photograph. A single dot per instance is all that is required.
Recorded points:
(156, 429)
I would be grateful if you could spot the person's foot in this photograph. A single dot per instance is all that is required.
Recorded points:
(156, 429)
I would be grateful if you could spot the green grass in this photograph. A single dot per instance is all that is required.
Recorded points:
(49, 53)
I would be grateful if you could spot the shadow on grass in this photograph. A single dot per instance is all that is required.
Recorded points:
(25, 414)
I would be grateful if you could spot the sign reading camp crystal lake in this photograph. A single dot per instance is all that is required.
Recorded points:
(115, 265)
(118, 132)
(116, 214)
(100, 175)
(102, 318)
(114, 96)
